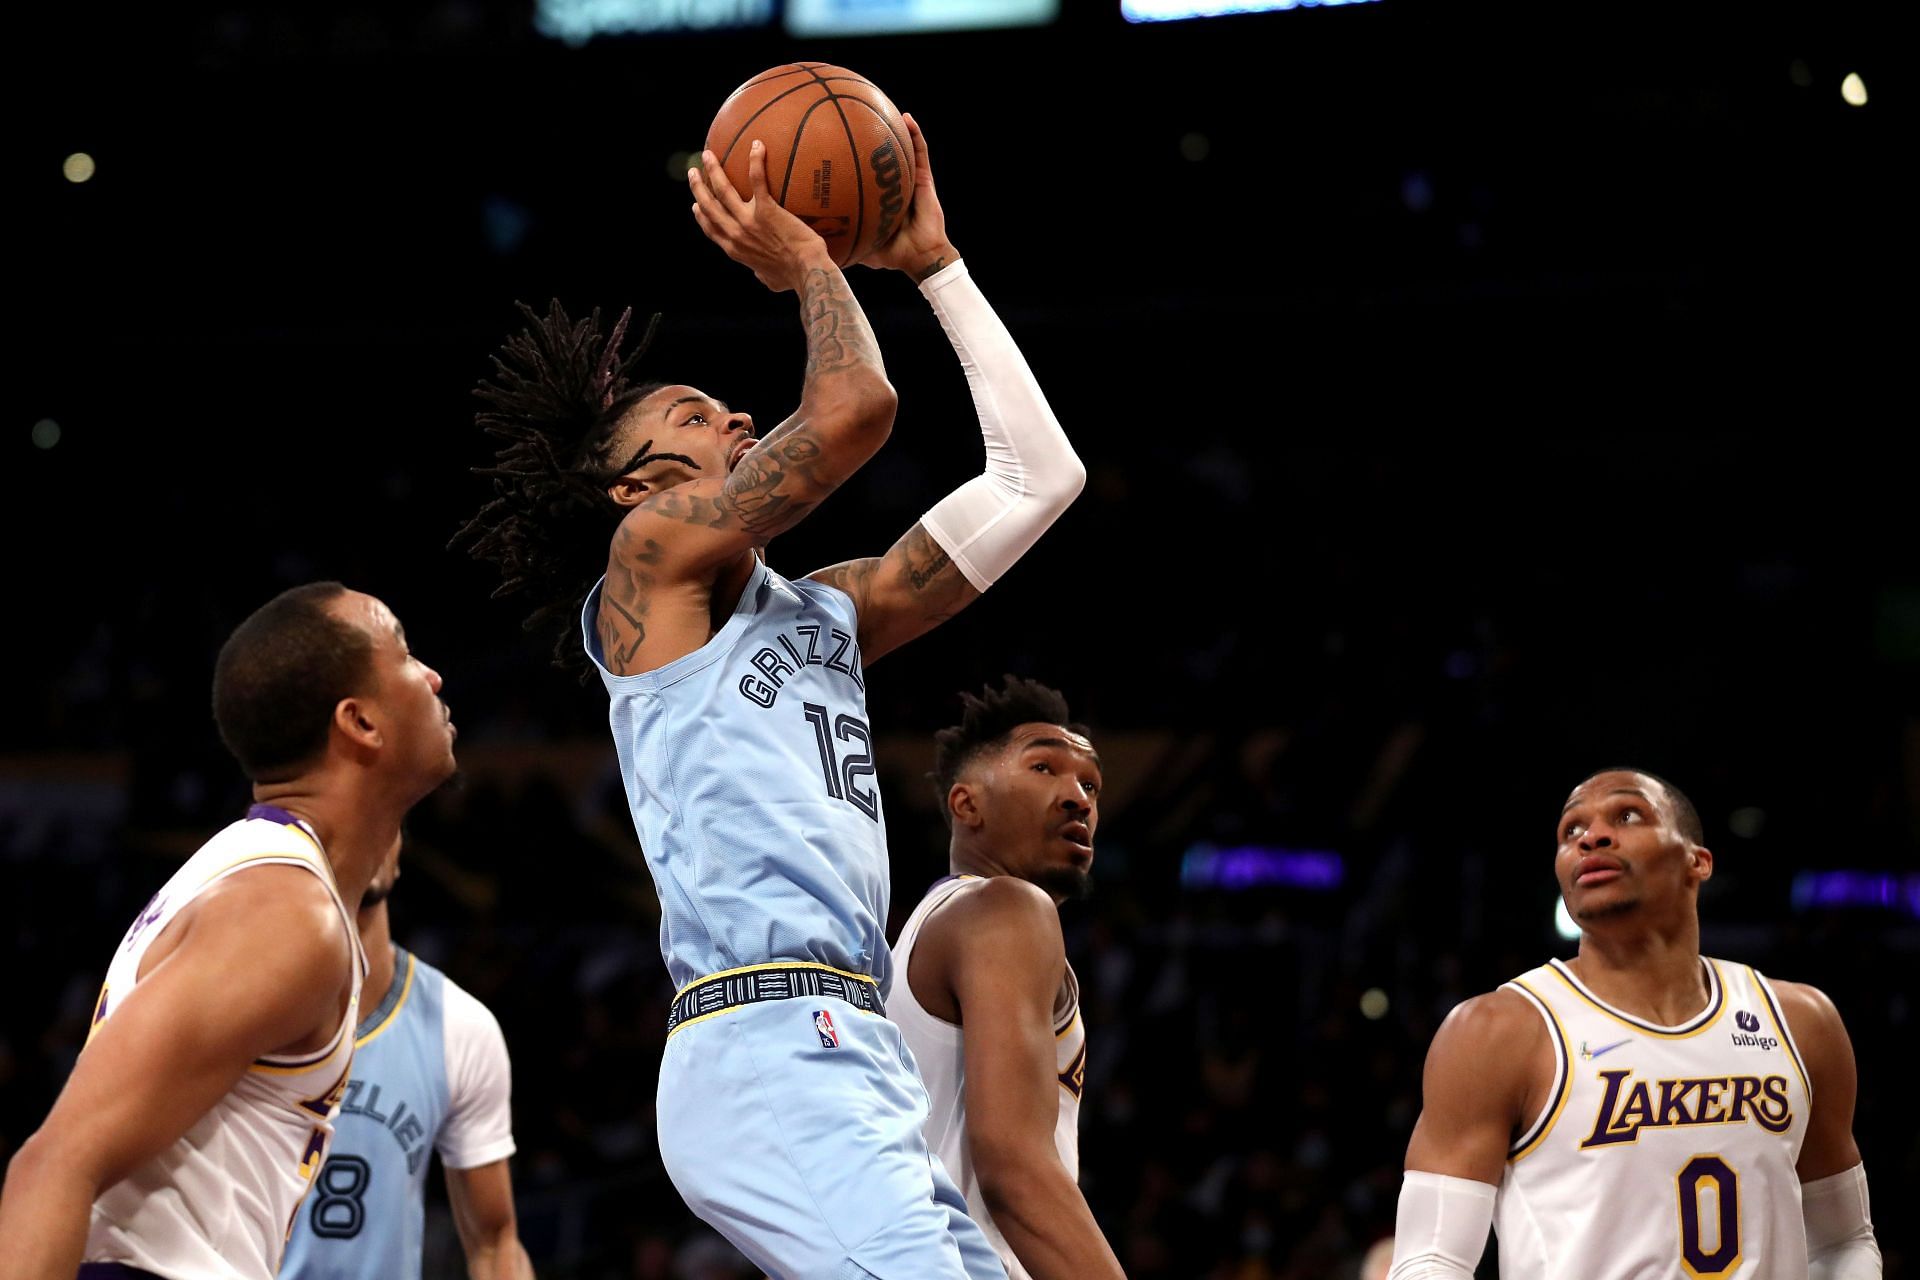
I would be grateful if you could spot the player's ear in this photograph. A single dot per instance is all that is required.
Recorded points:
(963, 805)
(352, 721)
(1702, 862)
(627, 491)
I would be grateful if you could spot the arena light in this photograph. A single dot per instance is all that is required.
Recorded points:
(902, 17)
(46, 433)
(1885, 890)
(1373, 1004)
(1854, 90)
(77, 167)
(1180, 10)
(1207, 866)
(1563, 921)
(577, 21)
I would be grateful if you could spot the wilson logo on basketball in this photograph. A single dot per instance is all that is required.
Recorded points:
(885, 160)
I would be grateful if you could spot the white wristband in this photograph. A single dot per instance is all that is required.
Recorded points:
(1840, 1243)
(1032, 471)
(1441, 1228)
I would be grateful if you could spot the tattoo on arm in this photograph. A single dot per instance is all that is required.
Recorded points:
(837, 333)
(907, 592)
(922, 558)
(627, 597)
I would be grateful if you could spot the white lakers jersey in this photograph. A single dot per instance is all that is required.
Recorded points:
(1661, 1151)
(936, 1047)
(218, 1204)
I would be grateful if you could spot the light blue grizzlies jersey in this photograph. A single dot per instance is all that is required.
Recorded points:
(749, 768)
(430, 1072)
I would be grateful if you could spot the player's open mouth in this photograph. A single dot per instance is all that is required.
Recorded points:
(740, 451)
(1077, 833)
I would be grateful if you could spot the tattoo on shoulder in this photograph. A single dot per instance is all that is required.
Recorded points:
(627, 597)
(852, 578)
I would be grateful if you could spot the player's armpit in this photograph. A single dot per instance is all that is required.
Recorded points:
(1832, 1080)
(905, 593)
(1487, 1061)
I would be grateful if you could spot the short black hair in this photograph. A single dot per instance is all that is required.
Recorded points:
(280, 675)
(985, 721)
(1686, 817)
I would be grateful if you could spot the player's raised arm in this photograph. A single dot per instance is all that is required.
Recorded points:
(257, 971)
(1833, 1180)
(1474, 1094)
(846, 403)
(975, 534)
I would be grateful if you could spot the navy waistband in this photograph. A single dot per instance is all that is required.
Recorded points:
(735, 988)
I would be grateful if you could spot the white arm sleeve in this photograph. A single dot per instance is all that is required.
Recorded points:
(1840, 1243)
(479, 1124)
(1032, 472)
(1441, 1228)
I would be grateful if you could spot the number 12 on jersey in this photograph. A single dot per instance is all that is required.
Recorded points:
(843, 773)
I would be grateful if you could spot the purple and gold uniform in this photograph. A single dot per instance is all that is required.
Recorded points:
(1660, 1150)
(218, 1203)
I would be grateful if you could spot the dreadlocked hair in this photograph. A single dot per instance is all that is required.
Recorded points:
(985, 721)
(558, 390)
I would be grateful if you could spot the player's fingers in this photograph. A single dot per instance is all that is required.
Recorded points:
(757, 168)
(719, 218)
(921, 169)
(717, 181)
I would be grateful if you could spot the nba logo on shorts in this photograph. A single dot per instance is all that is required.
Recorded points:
(829, 1038)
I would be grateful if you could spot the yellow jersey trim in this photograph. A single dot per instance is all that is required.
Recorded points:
(1779, 1019)
(406, 990)
(300, 1068)
(1703, 1021)
(1565, 1056)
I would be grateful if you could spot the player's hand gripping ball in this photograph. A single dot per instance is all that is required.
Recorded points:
(838, 154)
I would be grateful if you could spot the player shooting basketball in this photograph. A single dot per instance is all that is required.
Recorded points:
(1638, 1110)
(790, 1114)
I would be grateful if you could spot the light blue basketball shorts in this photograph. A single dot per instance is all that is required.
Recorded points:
(799, 1140)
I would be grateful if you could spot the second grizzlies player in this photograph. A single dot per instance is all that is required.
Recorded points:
(430, 1074)
(790, 1112)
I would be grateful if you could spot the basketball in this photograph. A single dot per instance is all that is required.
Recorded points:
(838, 155)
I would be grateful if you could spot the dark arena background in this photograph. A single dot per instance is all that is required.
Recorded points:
(1472, 396)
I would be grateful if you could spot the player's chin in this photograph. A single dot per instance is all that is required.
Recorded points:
(1067, 881)
(1597, 906)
